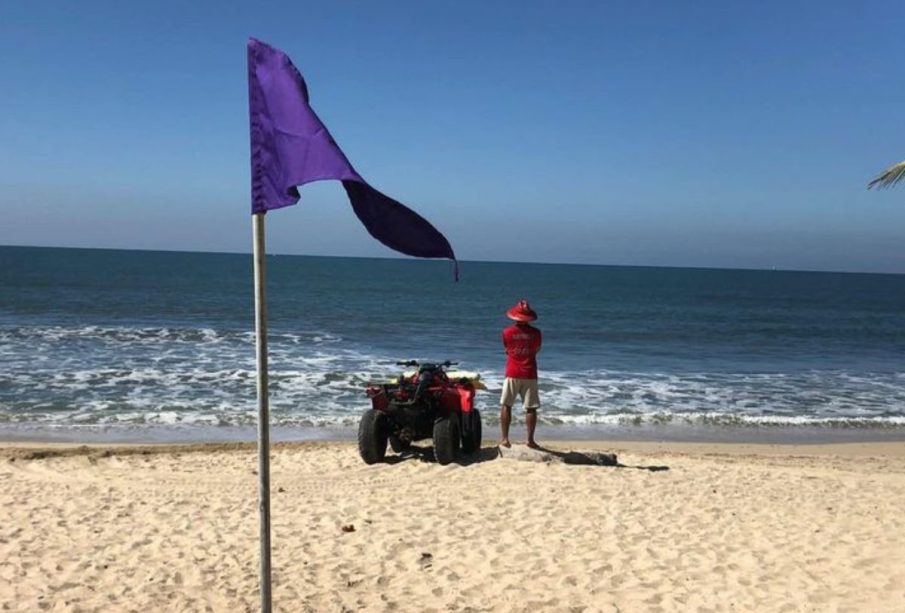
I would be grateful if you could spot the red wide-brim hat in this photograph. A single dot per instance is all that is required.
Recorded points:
(522, 312)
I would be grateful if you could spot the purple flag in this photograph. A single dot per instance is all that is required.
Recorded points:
(290, 146)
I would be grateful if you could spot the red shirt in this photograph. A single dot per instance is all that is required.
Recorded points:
(522, 342)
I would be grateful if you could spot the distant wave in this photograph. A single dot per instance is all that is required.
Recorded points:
(167, 334)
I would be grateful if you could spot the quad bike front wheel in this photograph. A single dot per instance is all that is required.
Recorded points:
(471, 431)
(372, 436)
(446, 438)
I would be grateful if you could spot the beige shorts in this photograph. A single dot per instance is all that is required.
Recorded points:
(526, 389)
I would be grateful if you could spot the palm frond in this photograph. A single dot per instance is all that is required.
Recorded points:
(889, 177)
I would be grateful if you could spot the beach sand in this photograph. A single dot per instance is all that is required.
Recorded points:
(712, 527)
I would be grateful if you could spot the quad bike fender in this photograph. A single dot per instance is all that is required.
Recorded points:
(459, 397)
(466, 398)
(379, 399)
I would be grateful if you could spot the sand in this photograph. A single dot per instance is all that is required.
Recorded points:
(711, 528)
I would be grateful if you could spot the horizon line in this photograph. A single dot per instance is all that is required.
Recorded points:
(410, 258)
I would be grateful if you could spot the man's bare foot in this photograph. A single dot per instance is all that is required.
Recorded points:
(533, 445)
(505, 443)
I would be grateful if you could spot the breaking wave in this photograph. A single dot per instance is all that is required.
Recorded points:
(167, 376)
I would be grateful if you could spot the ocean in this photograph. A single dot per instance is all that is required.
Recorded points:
(109, 345)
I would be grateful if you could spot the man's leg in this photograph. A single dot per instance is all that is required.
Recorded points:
(505, 418)
(532, 402)
(531, 422)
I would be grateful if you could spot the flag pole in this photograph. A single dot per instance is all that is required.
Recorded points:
(263, 407)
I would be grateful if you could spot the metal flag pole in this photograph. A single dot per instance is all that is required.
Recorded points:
(263, 407)
(290, 146)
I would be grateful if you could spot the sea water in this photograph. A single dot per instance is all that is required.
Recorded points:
(135, 345)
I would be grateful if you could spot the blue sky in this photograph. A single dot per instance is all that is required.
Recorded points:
(723, 134)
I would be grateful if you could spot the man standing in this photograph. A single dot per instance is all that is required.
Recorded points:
(521, 341)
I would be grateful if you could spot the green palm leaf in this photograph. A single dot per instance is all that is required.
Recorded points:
(889, 177)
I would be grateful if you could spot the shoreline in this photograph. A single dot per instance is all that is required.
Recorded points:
(39, 450)
(652, 433)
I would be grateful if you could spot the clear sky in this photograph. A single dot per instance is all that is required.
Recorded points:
(706, 133)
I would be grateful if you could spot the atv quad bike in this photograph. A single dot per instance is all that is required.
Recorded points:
(426, 403)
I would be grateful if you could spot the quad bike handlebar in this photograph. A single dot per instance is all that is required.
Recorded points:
(445, 364)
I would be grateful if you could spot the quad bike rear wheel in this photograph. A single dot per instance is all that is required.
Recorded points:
(372, 436)
(446, 438)
(471, 431)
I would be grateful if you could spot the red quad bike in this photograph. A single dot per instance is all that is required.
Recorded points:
(428, 403)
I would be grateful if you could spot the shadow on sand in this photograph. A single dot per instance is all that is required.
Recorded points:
(521, 452)
(426, 454)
